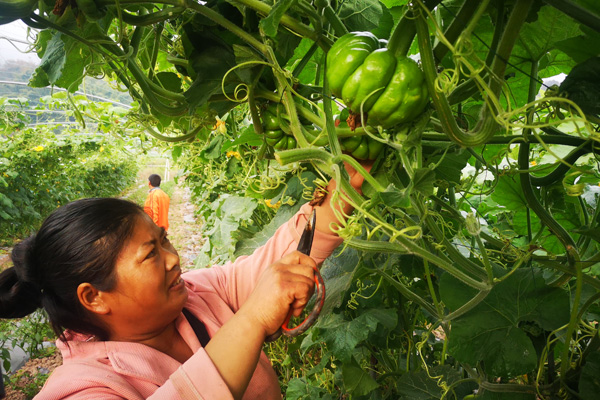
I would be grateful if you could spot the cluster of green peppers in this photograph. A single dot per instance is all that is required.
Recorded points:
(369, 78)
(274, 135)
(361, 147)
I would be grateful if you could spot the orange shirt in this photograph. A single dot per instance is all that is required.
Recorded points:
(157, 207)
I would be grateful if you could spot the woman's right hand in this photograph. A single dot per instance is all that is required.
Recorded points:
(287, 283)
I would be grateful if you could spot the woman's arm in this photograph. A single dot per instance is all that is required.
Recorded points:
(326, 216)
(236, 347)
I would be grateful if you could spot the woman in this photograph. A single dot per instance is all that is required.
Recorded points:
(129, 321)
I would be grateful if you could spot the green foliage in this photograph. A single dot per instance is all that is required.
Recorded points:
(471, 262)
(28, 334)
(41, 170)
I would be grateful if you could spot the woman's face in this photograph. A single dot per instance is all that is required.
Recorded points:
(149, 293)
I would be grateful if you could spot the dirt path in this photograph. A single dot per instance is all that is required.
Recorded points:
(183, 227)
(183, 233)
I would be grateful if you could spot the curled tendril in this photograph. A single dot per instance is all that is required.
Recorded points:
(439, 379)
(353, 302)
(446, 81)
(242, 87)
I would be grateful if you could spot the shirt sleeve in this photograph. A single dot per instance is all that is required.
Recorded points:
(235, 280)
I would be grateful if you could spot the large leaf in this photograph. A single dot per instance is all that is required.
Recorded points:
(356, 380)
(292, 190)
(426, 385)
(450, 168)
(338, 271)
(539, 37)
(506, 396)
(589, 383)
(490, 332)
(508, 193)
(343, 336)
(301, 389)
(271, 22)
(362, 15)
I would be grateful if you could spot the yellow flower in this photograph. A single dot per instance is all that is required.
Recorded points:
(533, 163)
(101, 148)
(274, 206)
(38, 148)
(235, 154)
(220, 126)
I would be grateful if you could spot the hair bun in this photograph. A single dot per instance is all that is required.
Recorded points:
(20, 295)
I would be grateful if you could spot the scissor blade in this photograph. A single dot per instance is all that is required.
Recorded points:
(305, 243)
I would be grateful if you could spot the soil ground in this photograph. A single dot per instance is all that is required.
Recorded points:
(183, 233)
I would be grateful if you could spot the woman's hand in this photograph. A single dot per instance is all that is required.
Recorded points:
(325, 212)
(287, 283)
(235, 348)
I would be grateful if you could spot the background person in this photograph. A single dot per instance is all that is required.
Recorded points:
(157, 203)
(128, 320)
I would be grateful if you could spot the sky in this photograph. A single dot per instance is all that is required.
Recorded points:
(15, 32)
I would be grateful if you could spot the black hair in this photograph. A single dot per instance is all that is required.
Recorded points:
(154, 180)
(77, 243)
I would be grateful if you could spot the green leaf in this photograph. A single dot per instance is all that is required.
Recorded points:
(176, 152)
(589, 383)
(232, 211)
(169, 81)
(338, 271)
(582, 47)
(539, 37)
(248, 137)
(54, 59)
(423, 385)
(451, 167)
(356, 380)
(301, 389)
(490, 332)
(423, 181)
(394, 197)
(248, 245)
(361, 15)
(508, 193)
(581, 86)
(394, 3)
(209, 67)
(271, 22)
(213, 150)
(293, 189)
(505, 396)
(342, 336)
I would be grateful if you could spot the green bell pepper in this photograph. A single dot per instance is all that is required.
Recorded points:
(269, 118)
(391, 90)
(362, 147)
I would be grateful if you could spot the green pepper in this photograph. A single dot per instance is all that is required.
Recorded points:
(281, 144)
(347, 54)
(362, 147)
(375, 147)
(350, 144)
(362, 151)
(291, 143)
(316, 138)
(391, 90)
(269, 118)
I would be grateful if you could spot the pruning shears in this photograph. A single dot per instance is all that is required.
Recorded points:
(304, 246)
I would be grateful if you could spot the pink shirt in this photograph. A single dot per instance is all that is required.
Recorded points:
(117, 370)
